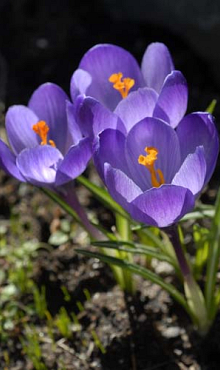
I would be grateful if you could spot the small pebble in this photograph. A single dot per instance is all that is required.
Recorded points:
(171, 332)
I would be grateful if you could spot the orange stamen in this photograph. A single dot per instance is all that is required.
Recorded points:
(148, 160)
(41, 129)
(122, 85)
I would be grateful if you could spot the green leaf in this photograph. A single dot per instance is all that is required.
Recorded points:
(2, 276)
(108, 234)
(217, 298)
(148, 233)
(142, 271)
(102, 195)
(213, 261)
(211, 107)
(197, 215)
(134, 249)
(201, 239)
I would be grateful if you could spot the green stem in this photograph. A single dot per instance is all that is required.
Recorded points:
(194, 296)
(123, 228)
(173, 234)
(213, 262)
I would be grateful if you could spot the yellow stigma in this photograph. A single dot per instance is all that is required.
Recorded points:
(122, 85)
(42, 129)
(148, 160)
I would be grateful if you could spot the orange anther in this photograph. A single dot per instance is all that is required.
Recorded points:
(122, 85)
(41, 129)
(157, 177)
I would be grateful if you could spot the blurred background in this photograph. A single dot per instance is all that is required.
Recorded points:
(44, 40)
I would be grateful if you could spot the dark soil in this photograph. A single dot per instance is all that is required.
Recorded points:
(43, 41)
(144, 332)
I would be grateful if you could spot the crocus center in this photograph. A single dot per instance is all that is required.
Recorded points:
(42, 129)
(148, 160)
(122, 85)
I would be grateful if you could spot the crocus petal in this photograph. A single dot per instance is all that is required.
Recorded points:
(8, 162)
(79, 83)
(73, 127)
(151, 132)
(39, 165)
(165, 205)
(192, 173)
(138, 105)
(19, 121)
(92, 117)
(101, 62)
(156, 65)
(110, 147)
(75, 162)
(199, 129)
(49, 103)
(122, 189)
(172, 102)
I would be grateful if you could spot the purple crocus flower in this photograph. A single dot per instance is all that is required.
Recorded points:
(100, 78)
(91, 117)
(152, 170)
(43, 150)
(109, 73)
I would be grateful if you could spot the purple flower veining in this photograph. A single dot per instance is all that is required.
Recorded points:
(108, 72)
(44, 150)
(153, 160)
(152, 170)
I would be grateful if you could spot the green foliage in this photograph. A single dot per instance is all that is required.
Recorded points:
(139, 270)
(63, 322)
(16, 281)
(67, 296)
(97, 342)
(211, 107)
(31, 347)
(40, 303)
(211, 294)
(201, 239)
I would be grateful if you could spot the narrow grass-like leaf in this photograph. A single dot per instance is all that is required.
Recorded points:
(164, 245)
(142, 271)
(213, 261)
(211, 107)
(102, 195)
(146, 231)
(197, 215)
(105, 232)
(113, 244)
(134, 249)
(217, 299)
(200, 236)
(123, 228)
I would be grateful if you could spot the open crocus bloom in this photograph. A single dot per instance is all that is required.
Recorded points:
(91, 117)
(43, 150)
(154, 171)
(109, 73)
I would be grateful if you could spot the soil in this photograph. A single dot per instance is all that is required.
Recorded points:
(145, 332)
